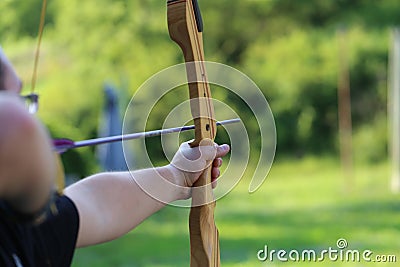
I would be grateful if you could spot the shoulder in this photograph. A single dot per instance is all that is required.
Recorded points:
(63, 215)
(52, 241)
(59, 232)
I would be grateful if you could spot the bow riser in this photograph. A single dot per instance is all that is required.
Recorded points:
(184, 24)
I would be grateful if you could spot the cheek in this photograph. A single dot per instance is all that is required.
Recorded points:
(11, 81)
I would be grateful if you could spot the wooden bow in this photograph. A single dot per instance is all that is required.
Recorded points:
(185, 28)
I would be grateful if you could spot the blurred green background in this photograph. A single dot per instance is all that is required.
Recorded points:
(290, 49)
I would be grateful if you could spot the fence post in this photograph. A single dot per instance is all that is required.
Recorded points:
(394, 109)
(344, 111)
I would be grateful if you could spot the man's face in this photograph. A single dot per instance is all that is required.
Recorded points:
(9, 80)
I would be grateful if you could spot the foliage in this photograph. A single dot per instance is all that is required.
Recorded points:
(301, 206)
(289, 48)
(20, 18)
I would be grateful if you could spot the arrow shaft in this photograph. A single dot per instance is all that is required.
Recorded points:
(119, 138)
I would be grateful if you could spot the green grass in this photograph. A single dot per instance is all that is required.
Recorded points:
(304, 204)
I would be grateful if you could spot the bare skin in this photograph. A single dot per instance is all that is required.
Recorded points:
(8, 77)
(26, 160)
(109, 204)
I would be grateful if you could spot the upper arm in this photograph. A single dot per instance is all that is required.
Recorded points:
(108, 205)
(111, 204)
(84, 198)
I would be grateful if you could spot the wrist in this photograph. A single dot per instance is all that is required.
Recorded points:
(178, 179)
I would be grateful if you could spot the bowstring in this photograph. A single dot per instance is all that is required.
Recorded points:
(37, 51)
(60, 179)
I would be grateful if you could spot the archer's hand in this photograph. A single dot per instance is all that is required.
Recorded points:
(189, 162)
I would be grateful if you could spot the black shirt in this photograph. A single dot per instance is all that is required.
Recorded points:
(50, 244)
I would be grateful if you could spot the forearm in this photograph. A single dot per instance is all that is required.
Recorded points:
(111, 204)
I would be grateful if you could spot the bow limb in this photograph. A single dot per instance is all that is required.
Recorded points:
(185, 28)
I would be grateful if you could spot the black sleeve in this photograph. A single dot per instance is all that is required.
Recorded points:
(58, 234)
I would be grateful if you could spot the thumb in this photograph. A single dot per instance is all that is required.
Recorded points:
(194, 159)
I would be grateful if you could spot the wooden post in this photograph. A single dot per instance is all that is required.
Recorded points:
(344, 111)
(394, 109)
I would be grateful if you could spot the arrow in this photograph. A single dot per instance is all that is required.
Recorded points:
(62, 145)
